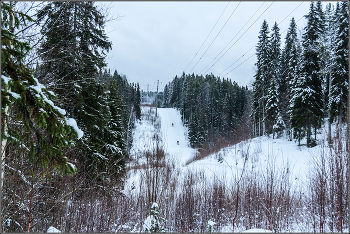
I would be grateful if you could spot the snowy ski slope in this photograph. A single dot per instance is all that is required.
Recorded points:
(263, 151)
(171, 134)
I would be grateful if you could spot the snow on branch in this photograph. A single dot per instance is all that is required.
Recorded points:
(71, 122)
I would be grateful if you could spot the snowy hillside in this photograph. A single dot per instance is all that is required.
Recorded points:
(261, 150)
(272, 166)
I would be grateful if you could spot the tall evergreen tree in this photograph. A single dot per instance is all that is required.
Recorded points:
(309, 91)
(272, 110)
(71, 50)
(166, 96)
(327, 48)
(298, 111)
(272, 100)
(290, 70)
(70, 68)
(340, 74)
(193, 129)
(137, 102)
(262, 79)
(113, 133)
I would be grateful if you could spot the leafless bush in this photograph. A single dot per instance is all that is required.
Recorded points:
(328, 186)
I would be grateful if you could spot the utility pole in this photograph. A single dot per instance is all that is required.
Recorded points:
(157, 97)
(147, 92)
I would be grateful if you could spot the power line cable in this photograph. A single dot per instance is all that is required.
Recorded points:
(233, 37)
(290, 13)
(253, 47)
(240, 64)
(215, 38)
(239, 37)
(251, 55)
(207, 36)
(237, 60)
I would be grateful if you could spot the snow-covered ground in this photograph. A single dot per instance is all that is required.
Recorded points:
(255, 155)
(181, 152)
(168, 126)
(262, 151)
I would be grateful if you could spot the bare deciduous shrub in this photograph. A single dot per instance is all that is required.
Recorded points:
(328, 186)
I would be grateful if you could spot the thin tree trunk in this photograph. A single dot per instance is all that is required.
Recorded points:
(329, 113)
(6, 111)
(308, 134)
(30, 206)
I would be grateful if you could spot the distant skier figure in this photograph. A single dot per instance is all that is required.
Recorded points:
(178, 142)
(172, 124)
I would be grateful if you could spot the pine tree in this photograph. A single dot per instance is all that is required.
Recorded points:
(340, 73)
(262, 79)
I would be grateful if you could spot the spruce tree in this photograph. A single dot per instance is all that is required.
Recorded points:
(174, 101)
(290, 70)
(272, 110)
(272, 100)
(113, 135)
(308, 95)
(71, 65)
(326, 51)
(137, 102)
(154, 222)
(327, 48)
(166, 96)
(71, 49)
(340, 73)
(93, 115)
(262, 79)
(298, 109)
(30, 120)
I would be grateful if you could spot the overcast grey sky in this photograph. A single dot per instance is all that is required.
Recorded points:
(157, 40)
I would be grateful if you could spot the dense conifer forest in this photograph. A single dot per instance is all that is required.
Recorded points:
(211, 107)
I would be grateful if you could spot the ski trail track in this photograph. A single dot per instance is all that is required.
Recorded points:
(171, 134)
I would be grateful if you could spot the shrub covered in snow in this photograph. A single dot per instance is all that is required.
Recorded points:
(153, 222)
